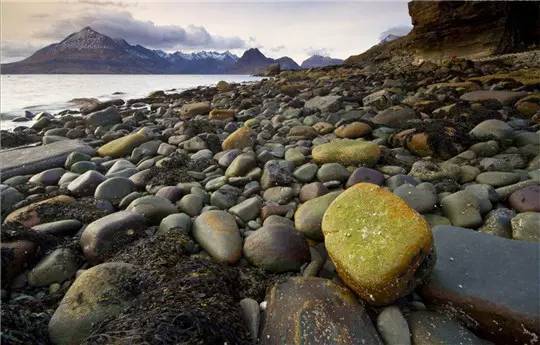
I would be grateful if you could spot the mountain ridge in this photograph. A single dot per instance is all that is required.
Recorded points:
(88, 51)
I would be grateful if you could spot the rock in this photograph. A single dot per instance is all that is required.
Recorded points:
(504, 97)
(305, 132)
(492, 129)
(221, 114)
(16, 257)
(48, 177)
(431, 171)
(306, 172)
(9, 196)
(122, 168)
(192, 109)
(194, 144)
(295, 155)
(114, 189)
(86, 184)
(365, 221)
(526, 199)
(83, 166)
(59, 227)
(122, 146)
(353, 130)
(525, 226)
(394, 116)
(497, 223)
(191, 204)
(332, 172)
(97, 294)
(380, 99)
(347, 152)
(153, 208)
(248, 209)
(485, 194)
(277, 173)
(422, 200)
(57, 267)
(365, 175)
(28, 215)
(393, 327)
(312, 190)
(223, 86)
(324, 103)
(462, 209)
(172, 193)
(225, 197)
(241, 165)
(30, 160)
(175, 222)
(217, 232)
(308, 217)
(108, 234)
(277, 248)
(432, 328)
(315, 311)
(487, 299)
(497, 178)
(106, 117)
(238, 139)
(252, 316)
(280, 195)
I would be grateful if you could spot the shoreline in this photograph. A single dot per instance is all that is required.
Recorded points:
(221, 213)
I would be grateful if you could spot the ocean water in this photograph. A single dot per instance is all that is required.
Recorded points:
(53, 92)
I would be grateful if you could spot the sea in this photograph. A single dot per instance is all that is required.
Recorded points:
(54, 92)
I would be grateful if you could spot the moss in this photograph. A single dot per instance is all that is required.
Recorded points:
(348, 152)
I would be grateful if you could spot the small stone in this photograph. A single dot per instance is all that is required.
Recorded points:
(239, 139)
(106, 117)
(28, 215)
(83, 166)
(107, 234)
(56, 267)
(498, 178)
(353, 130)
(217, 232)
(9, 196)
(241, 165)
(332, 172)
(277, 173)
(191, 204)
(114, 189)
(393, 327)
(280, 195)
(248, 209)
(347, 152)
(394, 116)
(175, 222)
(252, 316)
(497, 223)
(492, 129)
(526, 199)
(122, 146)
(306, 173)
(59, 227)
(308, 217)
(221, 114)
(153, 208)
(422, 200)
(48, 177)
(462, 209)
(525, 226)
(192, 109)
(172, 193)
(312, 190)
(365, 175)
(277, 248)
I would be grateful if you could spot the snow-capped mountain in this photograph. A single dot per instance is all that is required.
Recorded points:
(88, 51)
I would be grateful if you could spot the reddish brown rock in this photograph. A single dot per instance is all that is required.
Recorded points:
(526, 199)
(28, 216)
(315, 311)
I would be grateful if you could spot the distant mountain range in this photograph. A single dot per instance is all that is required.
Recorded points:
(88, 51)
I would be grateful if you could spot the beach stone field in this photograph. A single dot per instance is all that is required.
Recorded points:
(387, 204)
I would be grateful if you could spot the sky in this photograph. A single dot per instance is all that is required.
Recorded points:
(297, 29)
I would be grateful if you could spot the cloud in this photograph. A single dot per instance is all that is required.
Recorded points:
(105, 3)
(277, 49)
(317, 51)
(401, 30)
(121, 24)
(16, 50)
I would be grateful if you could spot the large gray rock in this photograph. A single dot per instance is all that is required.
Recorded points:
(58, 266)
(217, 232)
(9, 196)
(489, 280)
(114, 189)
(30, 160)
(153, 208)
(97, 294)
(107, 234)
(324, 103)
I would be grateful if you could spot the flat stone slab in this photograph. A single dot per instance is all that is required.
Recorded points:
(491, 283)
(30, 160)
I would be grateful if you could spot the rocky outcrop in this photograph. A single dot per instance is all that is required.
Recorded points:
(470, 29)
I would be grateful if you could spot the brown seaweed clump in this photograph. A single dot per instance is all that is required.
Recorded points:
(185, 299)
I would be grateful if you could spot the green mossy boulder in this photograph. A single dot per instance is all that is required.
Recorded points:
(347, 152)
